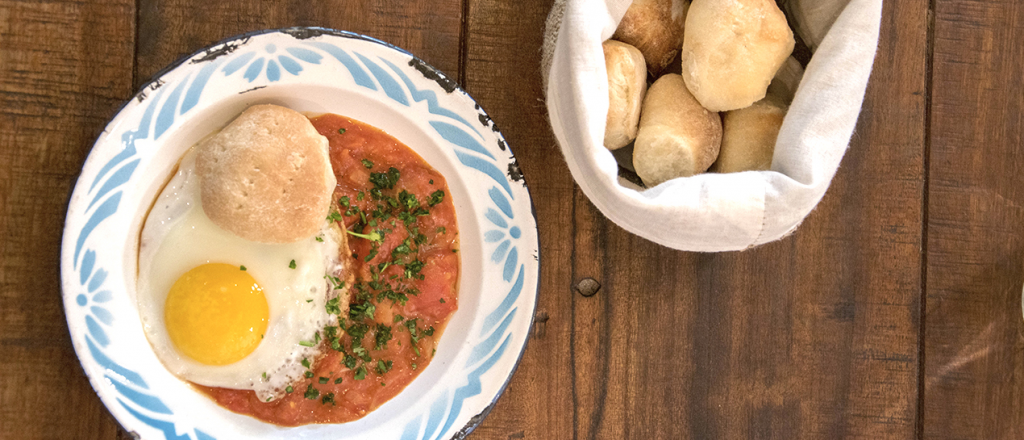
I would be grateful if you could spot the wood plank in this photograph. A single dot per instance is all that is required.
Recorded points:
(170, 29)
(65, 69)
(812, 337)
(503, 75)
(974, 372)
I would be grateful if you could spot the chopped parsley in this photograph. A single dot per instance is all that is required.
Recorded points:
(350, 361)
(372, 236)
(386, 180)
(333, 307)
(362, 354)
(435, 198)
(341, 131)
(382, 337)
(408, 200)
(289, 389)
(338, 283)
(311, 393)
(396, 266)
(365, 309)
(291, 265)
(241, 267)
(328, 398)
(357, 331)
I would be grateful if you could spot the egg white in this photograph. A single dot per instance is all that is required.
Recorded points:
(178, 236)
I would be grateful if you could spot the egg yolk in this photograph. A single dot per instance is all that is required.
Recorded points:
(216, 314)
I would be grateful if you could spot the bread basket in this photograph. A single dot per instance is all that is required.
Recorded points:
(714, 212)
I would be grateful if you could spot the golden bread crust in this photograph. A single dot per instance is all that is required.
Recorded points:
(748, 139)
(267, 176)
(627, 83)
(732, 49)
(656, 28)
(678, 137)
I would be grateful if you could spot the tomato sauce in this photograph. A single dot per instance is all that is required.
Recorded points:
(427, 275)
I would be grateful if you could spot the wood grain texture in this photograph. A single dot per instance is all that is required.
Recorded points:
(812, 337)
(817, 336)
(503, 75)
(65, 68)
(170, 29)
(974, 333)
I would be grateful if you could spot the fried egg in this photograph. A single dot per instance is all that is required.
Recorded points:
(223, 311)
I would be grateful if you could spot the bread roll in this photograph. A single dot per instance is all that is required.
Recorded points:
(678, 137)
(267, 176)
(748, 137)
(627, 83)
(656, 28)
(732, 49)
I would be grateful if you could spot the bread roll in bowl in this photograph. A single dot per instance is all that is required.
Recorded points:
(266, 177)
(732, 49)
(627, 83)
(748, 137)
(678, 137)
(656, 28)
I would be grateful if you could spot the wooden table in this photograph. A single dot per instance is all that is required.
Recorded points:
(893, 313)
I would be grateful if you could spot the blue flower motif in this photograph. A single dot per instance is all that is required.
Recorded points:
(93, 281)
(273, 62)
(505, 235)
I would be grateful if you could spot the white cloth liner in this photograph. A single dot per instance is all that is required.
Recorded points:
(710, 212)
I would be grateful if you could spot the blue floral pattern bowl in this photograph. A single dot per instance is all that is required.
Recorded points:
(311, 70)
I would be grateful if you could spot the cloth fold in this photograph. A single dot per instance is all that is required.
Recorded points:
(709, 212)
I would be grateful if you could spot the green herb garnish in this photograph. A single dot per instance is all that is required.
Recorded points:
(328, 398)
(311, 393)
(383, 366)
(435, 198)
